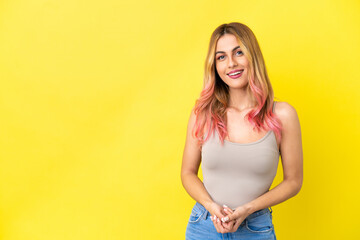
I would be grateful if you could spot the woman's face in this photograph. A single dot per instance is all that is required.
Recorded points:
(229, 59)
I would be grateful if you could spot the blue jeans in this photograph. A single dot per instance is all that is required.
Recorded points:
(257, 225)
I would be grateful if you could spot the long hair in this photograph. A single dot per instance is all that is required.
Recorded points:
(210, 108)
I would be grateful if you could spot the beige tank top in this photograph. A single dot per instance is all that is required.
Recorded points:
(237, 173)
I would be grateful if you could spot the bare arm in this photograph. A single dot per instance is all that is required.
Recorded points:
(292, 161)
(192, 183)
(190, 167)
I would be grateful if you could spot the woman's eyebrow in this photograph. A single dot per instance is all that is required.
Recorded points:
(224, 52)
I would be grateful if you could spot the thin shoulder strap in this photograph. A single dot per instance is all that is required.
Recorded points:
(273, 106)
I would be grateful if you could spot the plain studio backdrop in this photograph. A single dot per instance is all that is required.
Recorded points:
(95, 98)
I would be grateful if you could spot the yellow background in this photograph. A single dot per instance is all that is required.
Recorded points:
(96, 95)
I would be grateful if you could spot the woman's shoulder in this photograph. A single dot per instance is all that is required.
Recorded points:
(284, 108)
(286, 112)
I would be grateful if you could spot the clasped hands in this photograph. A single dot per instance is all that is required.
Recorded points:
(225, 219)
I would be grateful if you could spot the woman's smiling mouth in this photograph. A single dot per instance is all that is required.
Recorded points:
(235, 74)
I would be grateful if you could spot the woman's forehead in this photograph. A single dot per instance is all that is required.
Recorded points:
(227, 43)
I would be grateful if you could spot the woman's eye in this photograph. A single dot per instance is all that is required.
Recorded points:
(221, 57)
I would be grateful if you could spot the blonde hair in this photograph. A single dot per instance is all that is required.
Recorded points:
(210, 108)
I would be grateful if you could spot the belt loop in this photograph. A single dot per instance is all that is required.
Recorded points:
(271, 210)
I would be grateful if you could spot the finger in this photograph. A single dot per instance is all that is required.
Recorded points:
(215, 223)
(228, 218)
(228, 212)
(213, 220)
(236, 225)
(219, 225)
(228, 225)
(223, 228)
(227, 209)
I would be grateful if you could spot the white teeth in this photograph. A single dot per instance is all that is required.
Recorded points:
(235, 73)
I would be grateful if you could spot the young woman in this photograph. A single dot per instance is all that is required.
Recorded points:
(237, 132)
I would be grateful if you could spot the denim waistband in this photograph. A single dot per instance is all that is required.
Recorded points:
(254, 214)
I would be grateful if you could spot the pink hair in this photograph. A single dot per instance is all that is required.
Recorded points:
(210, 108)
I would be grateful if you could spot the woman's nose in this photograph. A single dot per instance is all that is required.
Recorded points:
(232, 62)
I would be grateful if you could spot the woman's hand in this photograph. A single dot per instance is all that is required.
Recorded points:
(217, 213)
(238, 216)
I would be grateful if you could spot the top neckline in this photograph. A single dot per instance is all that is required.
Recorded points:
(250, 143)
